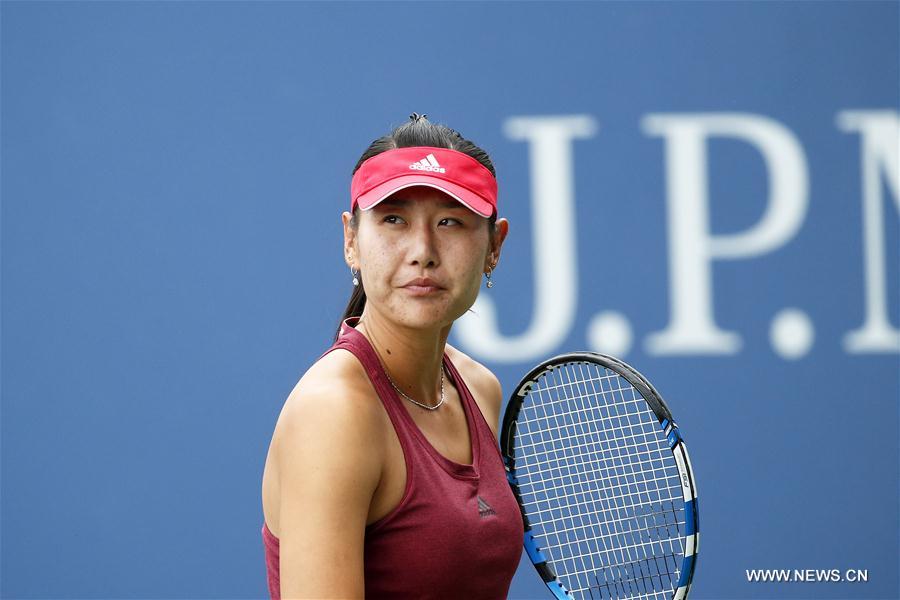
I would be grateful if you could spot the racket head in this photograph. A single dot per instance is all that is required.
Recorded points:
(603, 480)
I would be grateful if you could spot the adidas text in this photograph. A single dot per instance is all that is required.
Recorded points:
(419, 167)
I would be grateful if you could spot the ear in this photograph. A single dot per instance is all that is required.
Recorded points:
(350, 252)
(498, 236)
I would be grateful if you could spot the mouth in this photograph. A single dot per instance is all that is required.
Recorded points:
(422, 290)
(422, 287)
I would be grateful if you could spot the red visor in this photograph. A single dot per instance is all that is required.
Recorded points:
(455, 173)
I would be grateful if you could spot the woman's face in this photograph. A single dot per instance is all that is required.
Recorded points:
(421, 256)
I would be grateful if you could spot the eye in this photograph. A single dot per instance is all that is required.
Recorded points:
(449, 221)
(393, 219)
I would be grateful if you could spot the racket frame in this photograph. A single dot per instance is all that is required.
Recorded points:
(666, 423)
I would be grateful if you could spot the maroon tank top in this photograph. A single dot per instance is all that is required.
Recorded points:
(457, 531)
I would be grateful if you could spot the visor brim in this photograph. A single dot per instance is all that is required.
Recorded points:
(464, 196)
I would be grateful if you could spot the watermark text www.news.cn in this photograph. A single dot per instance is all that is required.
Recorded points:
(807, 575)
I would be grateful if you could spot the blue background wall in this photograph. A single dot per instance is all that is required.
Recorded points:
(172, 179)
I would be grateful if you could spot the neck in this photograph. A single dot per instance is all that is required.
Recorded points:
(411, 357)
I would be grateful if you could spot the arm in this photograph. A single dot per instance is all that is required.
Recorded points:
(330, 465)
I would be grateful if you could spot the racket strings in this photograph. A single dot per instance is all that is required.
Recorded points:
(631, 480)
(627, 547)
(602, 510)
(650, 505)
(674, 549)
(640, 579)
(560, 465)
(655, 527)
(556, 458)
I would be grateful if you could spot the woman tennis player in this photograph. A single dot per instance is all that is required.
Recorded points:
(384, 478)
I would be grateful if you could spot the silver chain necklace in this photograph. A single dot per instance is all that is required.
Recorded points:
(416, 402)
(399, 391)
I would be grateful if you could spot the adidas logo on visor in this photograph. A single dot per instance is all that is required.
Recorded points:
(429, 163)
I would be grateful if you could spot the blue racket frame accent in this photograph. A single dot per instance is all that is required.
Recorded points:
(531, 548)
(559, 590)
(690, 520)
(673, 438)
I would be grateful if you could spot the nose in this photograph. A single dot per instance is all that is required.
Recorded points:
(422, 249)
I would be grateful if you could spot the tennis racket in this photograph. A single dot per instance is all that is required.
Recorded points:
(603, 480)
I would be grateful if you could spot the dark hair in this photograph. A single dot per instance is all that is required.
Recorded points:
(418, 131)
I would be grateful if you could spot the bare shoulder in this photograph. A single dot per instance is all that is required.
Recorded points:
(483, 384)
(331, 421)
(334, 393)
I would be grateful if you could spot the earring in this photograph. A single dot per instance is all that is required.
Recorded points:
(355, 278)
(490, 272)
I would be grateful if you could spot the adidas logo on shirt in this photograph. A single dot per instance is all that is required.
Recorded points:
(484, 509)
(429, 163)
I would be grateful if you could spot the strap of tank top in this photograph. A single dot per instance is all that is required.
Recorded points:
(486, 436)
(350, 339)
(355, 342)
